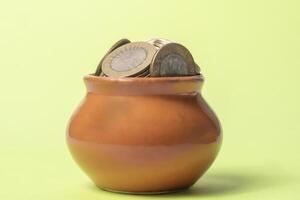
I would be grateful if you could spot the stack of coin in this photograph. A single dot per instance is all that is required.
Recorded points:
(155, 58)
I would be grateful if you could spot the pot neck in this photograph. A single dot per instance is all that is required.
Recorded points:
(187, 85)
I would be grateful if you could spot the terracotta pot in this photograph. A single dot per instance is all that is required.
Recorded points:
(144, 135)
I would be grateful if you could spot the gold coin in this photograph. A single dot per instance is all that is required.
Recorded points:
(115, 46)
(172, 59)
(128, 60)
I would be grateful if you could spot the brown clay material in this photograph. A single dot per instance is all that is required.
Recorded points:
(144, 135)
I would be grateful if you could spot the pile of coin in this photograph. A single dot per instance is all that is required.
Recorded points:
(153, 58)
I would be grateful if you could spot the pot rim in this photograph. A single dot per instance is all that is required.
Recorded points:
(143, 85)
(92, 77)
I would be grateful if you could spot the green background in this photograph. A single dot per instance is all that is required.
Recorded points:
(249, 55)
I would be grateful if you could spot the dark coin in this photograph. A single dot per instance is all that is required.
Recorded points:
(197, 69)
(172, 59)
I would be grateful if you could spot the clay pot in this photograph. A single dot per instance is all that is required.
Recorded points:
(144, 135)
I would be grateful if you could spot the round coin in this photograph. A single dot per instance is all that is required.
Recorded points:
(115, 46)
(172, 59)
(128, 60)
(197, 69)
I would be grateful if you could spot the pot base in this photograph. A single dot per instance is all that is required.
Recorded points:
(141, 193)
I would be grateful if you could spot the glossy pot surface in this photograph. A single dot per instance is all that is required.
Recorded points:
(144, 135)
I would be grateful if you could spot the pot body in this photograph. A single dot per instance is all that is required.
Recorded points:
(143, 136)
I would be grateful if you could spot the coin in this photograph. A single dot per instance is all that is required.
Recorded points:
(144, 74)
(159, 42)
(197, 69)
(128, 60)
(172, 59)
(115, 46)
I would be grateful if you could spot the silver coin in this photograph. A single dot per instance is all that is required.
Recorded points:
(115, 46)
(129, 60)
